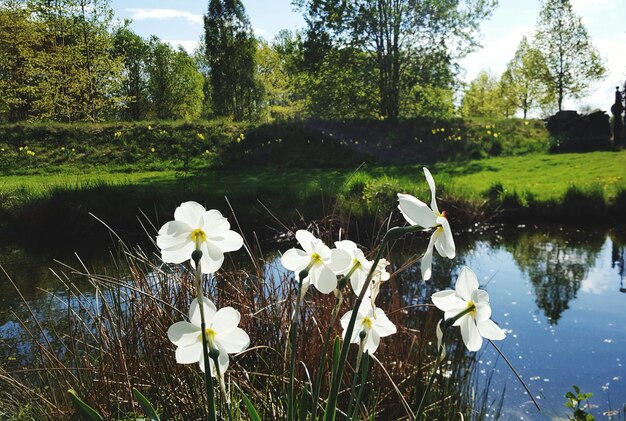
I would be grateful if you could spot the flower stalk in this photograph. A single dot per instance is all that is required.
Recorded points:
(208, 380)
(293, 339)
(331, 406)
(440, 352)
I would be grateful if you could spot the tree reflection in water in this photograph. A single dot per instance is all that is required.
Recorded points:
(556, 263)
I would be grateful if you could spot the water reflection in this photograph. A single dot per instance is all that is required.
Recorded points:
(556, 264)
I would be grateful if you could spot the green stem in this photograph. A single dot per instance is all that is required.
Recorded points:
(215, 353)
(355, 377)
(293, 338)
(208, 381)
(331, 405)
(322, 363)
(447, 324)
(365, 365)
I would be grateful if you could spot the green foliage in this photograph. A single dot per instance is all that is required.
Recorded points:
(145, 404)
(483, 98)
(231, 49)
(86, 412)
(572, 60)
(575, 403)
(402, 45)
(134, 52)
(525, 78)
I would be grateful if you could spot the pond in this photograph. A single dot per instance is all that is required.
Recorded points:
(559, 293)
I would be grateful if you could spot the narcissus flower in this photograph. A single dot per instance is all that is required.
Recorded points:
(222, 333)
(194, 228)
(417, 212)
(359, 265)
(322, 262)
(476, 324)
(373, 321)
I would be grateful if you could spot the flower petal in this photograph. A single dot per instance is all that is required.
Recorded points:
(447, 300)
(295, 259)
(227, 241)
(173, 233)
(431, 183)
(194, 311)
(427, 259)
(340, 261)
(466, 284)
(226, 319)
(372, 340)
(490, 330)
(233, 341)
(183, 333)
(470, 334)
(212, 258)
(189, 354)
(178, 255)
(445, 242)
(348, 246)
(324, 279)
(306, 240)
(382, 324)
(214, 223)
(190, 213)
(415, 211)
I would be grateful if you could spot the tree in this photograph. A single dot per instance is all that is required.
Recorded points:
(396, 36)
(134, 86)
(175, 85)
(231, 49)
(525, 76)
(482, 97)
(572, 60)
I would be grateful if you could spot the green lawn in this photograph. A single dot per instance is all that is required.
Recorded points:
(546, 177)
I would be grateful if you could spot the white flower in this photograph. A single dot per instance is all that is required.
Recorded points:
(195, 227)
(323, 263)
(359, 265)
(476, 324)
(221, 331)
(373, 322)
(417, 212)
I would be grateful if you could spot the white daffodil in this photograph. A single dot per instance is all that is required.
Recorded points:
(417, 212)
(359, 266)
(476, 324)
(373, 321)
(194, 228)
(222, 333)
(322, 262)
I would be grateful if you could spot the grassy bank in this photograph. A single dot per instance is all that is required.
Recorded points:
(29, 148)
(587, 188)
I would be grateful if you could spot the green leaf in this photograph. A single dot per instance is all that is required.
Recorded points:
(576, 389)
(147, 407)
(254, 415)
(336, 352)
(86, 412)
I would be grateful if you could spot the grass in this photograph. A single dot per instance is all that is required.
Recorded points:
(576, 188)
(545, 177)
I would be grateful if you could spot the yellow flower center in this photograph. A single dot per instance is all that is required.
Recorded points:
(470, 303)
(316, 259)
(210, 335)
(367, 323)
(198, 236)
(356, 264)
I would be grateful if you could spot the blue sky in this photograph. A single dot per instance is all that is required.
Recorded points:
(180, 23)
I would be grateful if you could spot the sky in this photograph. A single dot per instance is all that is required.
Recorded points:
(180, 23)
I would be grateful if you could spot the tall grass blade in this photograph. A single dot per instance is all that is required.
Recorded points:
(145, 404)
(86, 412)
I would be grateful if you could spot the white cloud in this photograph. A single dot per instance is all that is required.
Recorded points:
(163, 14)
(259, 32)
(188, 45)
